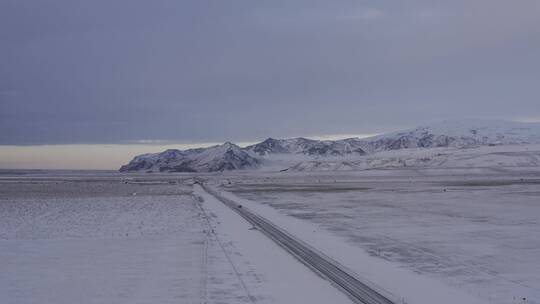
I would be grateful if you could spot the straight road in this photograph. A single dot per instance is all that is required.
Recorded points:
(322, 265)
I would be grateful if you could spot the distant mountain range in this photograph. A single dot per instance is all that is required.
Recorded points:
(232, 157)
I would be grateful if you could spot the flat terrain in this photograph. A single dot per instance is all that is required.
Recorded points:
(113, 238)
(475, 229)
(83, 237)
(103, 239)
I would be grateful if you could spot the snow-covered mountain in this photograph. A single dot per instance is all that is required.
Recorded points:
(444, 134)
(308, 147)
(448, 157)
(447, 134)
(217, 158)
(464, 133)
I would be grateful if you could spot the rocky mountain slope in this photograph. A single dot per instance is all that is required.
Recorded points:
(308, 147)
(217, 158)
(448, 134)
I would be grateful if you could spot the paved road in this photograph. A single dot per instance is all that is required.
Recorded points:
(316, 261)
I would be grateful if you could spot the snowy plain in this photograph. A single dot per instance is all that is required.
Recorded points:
(423, 235)
(107, 238)
(473, 230)
(95, 241)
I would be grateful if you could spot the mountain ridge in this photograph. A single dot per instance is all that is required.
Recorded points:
(228, 156)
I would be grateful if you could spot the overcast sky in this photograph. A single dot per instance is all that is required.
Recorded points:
(110, 71)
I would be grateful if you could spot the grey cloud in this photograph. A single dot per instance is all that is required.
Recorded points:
(110, 71)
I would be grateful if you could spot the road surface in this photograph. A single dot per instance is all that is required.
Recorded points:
(312, 258)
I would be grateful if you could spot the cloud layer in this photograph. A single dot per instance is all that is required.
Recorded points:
(110, 71)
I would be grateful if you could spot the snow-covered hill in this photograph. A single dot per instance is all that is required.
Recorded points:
(347, 154)
(447, 157)
(308, 147)
(217, 158)
(465, 133)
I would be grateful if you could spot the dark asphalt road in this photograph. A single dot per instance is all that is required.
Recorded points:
(316, 261)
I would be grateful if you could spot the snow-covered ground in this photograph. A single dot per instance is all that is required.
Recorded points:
(427, 235)
(280, 277)
(103, 238)
(475, 231)
(117, 247)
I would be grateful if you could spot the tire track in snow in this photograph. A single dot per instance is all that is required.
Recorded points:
(211, 234)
